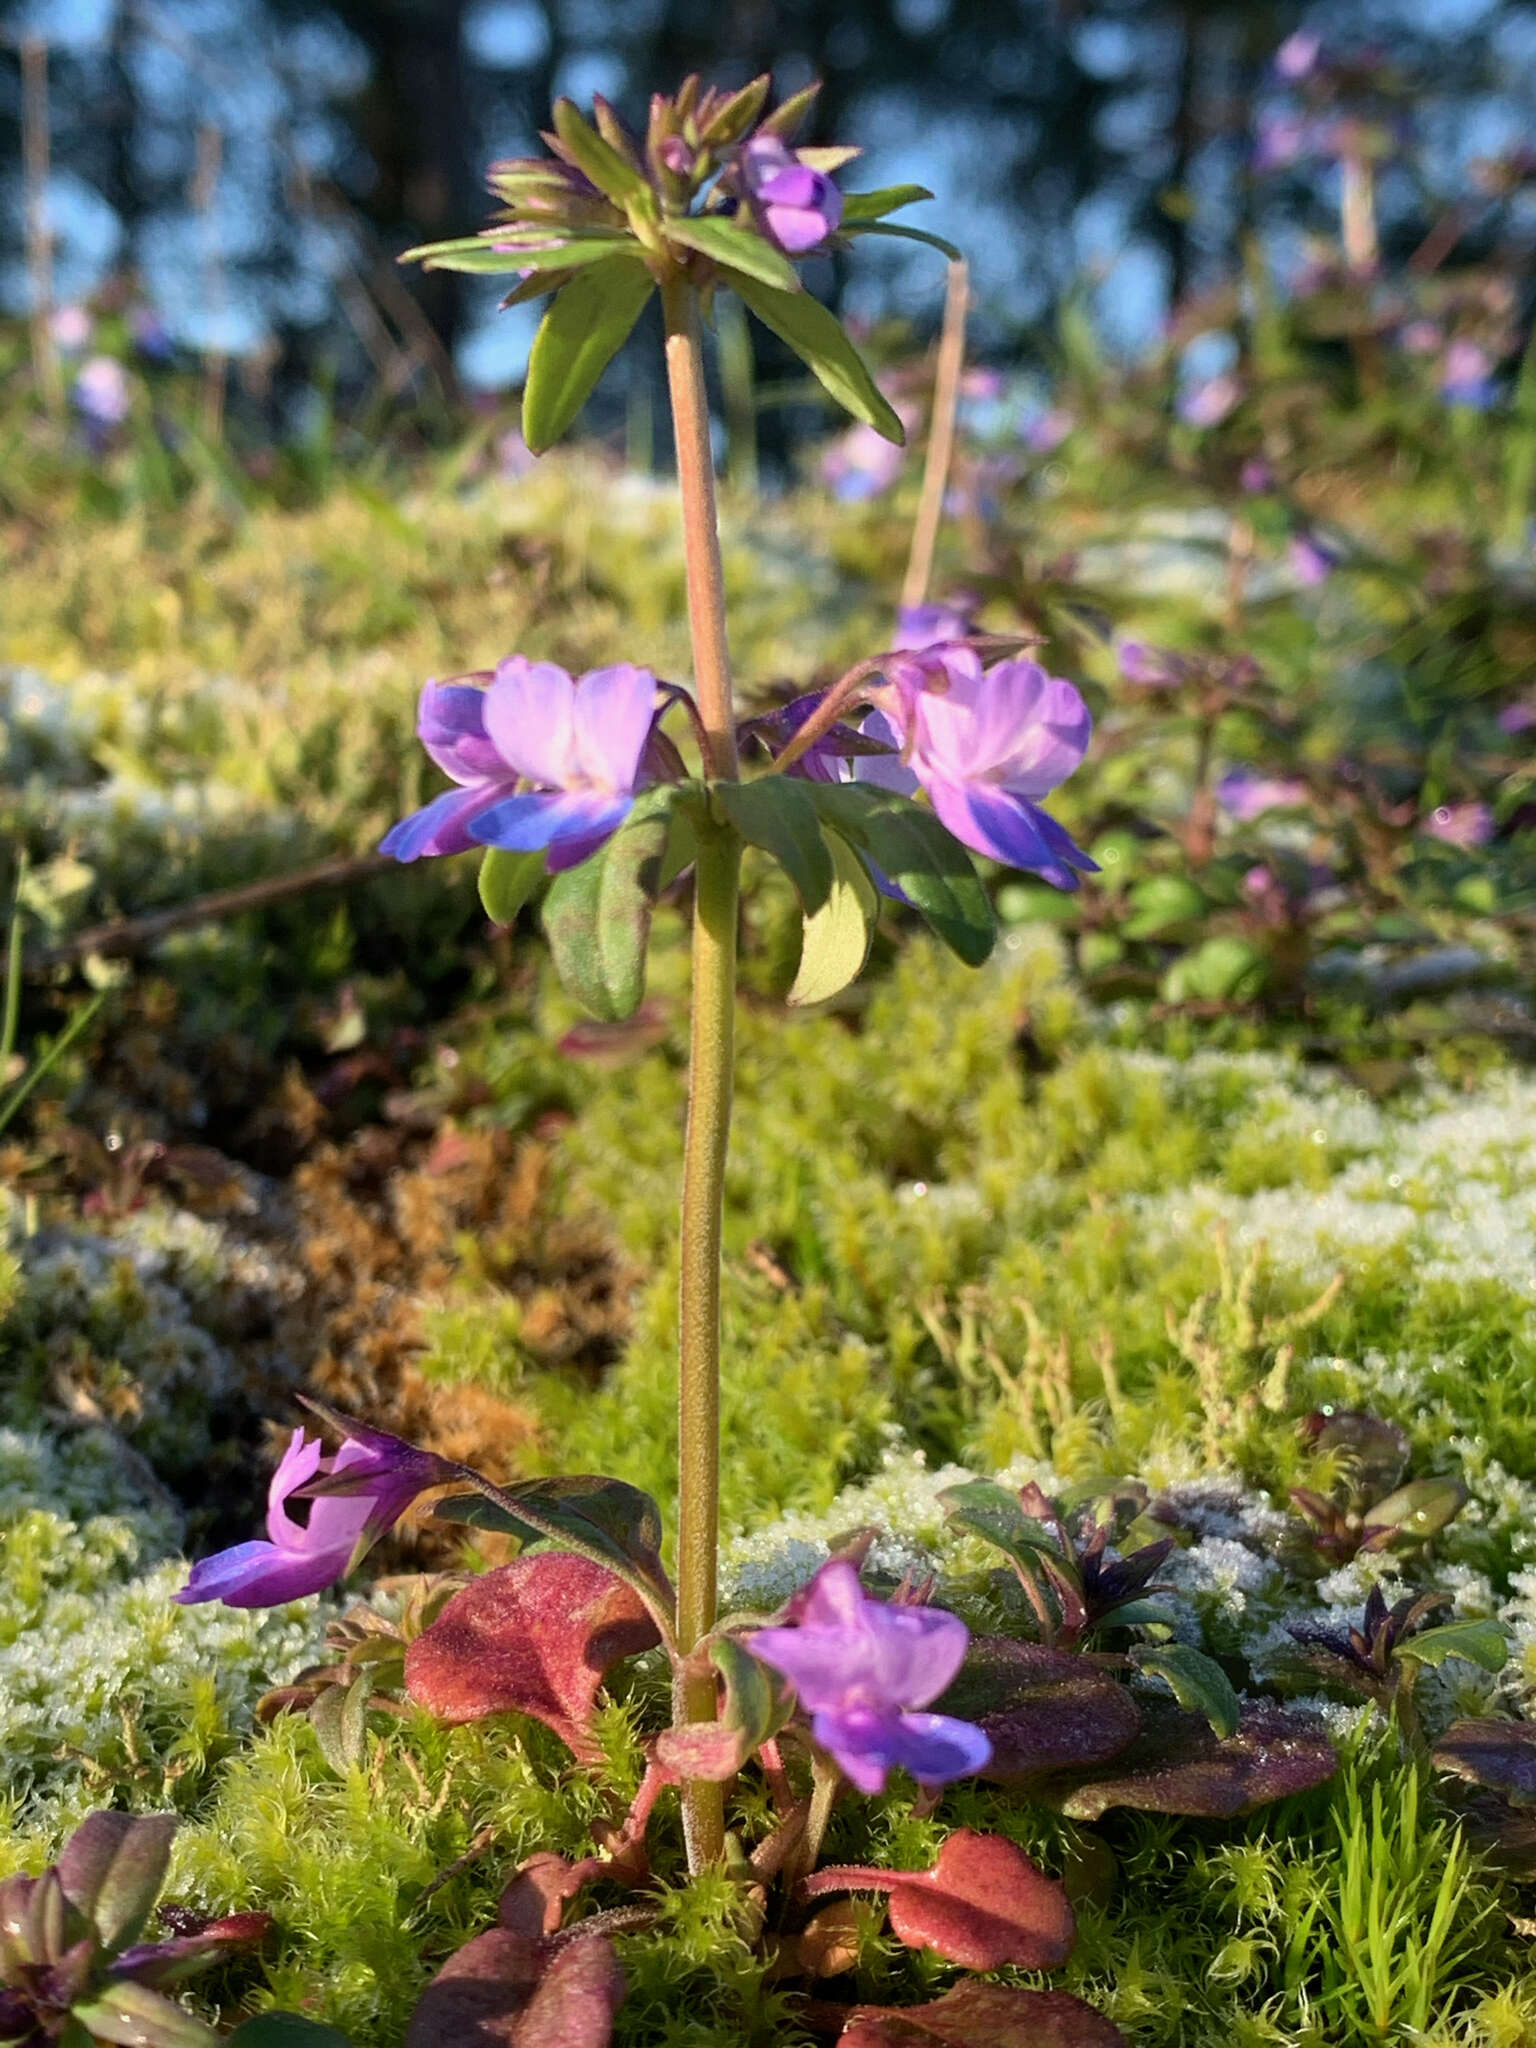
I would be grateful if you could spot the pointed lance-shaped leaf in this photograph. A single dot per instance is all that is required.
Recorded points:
(1480, 1641)
(906, 234)
(817, 338)
(730, 121)
(133, 2016)
(777, 815)
(477, 257)
(979, 2015)
(740, 250)
(587, 324)
(1197, 1681)
(597, 917)
(835, 940)
(614, 175)
(874, 205)
(788, 114)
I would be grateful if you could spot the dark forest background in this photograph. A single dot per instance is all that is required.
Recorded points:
(257, 165)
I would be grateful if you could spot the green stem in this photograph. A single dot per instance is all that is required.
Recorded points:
(710, 1070)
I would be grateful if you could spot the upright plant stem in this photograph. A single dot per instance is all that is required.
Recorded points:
(941, 437)
(710, 1067)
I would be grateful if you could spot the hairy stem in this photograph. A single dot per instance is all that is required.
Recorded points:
(710, 1070)
(701, 531)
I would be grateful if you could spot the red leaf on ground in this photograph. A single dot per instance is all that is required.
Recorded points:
(984, 2016)
(504, 1990)
(984, 1904)
(1042, 1709)
(534, 1637)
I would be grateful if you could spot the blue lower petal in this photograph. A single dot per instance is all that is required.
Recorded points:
(262, 1575)
(442, 826)
(549, 818)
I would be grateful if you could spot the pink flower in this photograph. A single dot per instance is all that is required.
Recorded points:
(928, 625)
(986, 746)
(1246, 796)
(861, 1667)
(300, 1558)
(101, 391)
(1297, 56)
(1207, 403)
(1463, 825)
(1044, 434)
(860, 464)
(70, 328)
(581, 743)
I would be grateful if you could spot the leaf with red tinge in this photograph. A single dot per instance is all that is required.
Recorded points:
(984, 2016)
(1498, 1754)
(984, 1904)
(504, 1990)
(1177, 1765)
(1041, 1709)
(534, 1637)
(112, 1868)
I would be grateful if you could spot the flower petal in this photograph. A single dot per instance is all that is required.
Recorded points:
(552, 818)
(450, 723)
(442, 826)
(262, 1575)
(614, 710)
(863, 1742)
(530, 717)
(936, 1748)
(1000, 825)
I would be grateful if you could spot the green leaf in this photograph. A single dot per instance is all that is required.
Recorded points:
(587, 323)
(339, 1718)
(817, 338)
(1198, 1682)
(598, 916)
(1160, 903)
(613, 175)
(835, 942)
(285, 2030)
(905, 234)
(871, 205)
(507, 881)
(756, 1705)
(1479, 1642)
(997, 1516)
(477, 257)
(739, 249)
(906, 843)
(731, 121)
(605, 1519)
(778, 815)
(133, 2016)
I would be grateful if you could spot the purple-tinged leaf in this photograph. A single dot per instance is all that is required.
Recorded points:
(133, 2016)
(1500, 1755)
(503, 1990)
(1178, 1765)
(112, 1868)
(1043, 1710)
(607, 1520)
(977, 2015)
(1375, 1451)
(533, 1637)
(159, 1963)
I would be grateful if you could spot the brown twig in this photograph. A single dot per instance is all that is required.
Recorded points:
(941, 437)
(128, 935)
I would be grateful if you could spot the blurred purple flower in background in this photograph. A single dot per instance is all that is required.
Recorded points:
(1311, 561)
(986, 746)
(1207, 402)
(1421, 337)
(151, 336)
(860, 1668)
(860, 464)
(1281, 140)
(1466, 376)
(303, 1558)
(101, 391)
(1463, 825)
(1256, 476)
(1044, 434)
(1246, 795)
(581, 743)
(1149, 668)
(1517, 718)
(929, 625)
(70, 327)
(1297, 56)
(795, 206)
